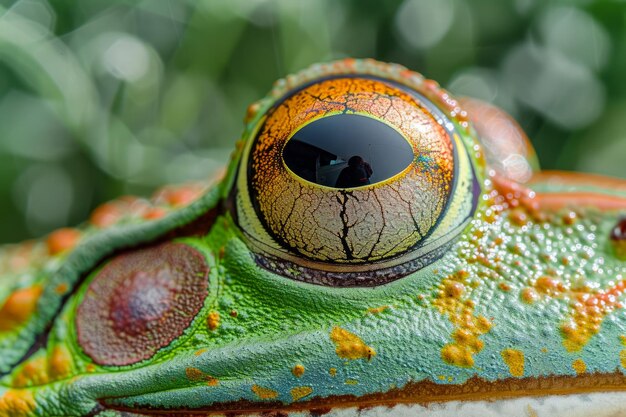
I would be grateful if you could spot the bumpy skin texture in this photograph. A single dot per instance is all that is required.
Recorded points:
(529, 297)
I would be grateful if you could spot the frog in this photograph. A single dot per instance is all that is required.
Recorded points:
(455, 277)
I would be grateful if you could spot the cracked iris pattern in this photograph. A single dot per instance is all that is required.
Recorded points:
(359, 225)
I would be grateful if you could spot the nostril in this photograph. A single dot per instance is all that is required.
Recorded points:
(618, 239)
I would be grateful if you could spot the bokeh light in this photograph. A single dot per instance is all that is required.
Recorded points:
(104, 98)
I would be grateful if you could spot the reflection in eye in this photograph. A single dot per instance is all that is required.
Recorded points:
(354, 180)
(341, 151)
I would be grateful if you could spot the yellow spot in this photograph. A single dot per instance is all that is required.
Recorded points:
(199, 352)
(579, 366)
(298, 393)
(377, 310)
(529, 295)
(352, 382)
(333, 371)
(18, 307)
(589, 311)
(213, 321)
(442, 377)
(544, 350)
(457, 355)
(17, 403)
(518, 217)
(622, 358)
(196, 375)
(298, 370)
(468, 327)
(33, 372)
(264, 393)
(59, 364)
(515, 361)
(548, 285)
(61, 288)
(349, 345)
(90, 367)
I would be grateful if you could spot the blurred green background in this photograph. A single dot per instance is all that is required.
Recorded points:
(100, 98)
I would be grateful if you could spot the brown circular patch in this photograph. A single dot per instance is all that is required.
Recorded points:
(141, 301)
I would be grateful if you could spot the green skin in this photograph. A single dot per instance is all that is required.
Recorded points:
(281, 323)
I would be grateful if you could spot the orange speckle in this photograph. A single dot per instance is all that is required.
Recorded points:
(548, 285)
(579, 366)
(90, 367)
(298, 393)
(196, 375)
(61, 288)
(154, 213)
(529, 295)
(59, 363)
(332, 372)
(504, 286)
(298, 370)
(468, 327)
(213, 321)
(518, 217)
(199, 351)
(179, 196)
(570, 218)
(515, 361)
(233, 313)
(454, 289)
(377, 310)
(349, 345)
(62, 240)
(105, 215)
(19, 307)
(457, 355)
(589, 311)
(264, 393)
(513, 194)
(32, 372)
(17, 403)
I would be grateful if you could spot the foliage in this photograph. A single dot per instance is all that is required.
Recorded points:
(101, 98)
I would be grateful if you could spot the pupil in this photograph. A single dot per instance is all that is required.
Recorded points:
(347, 151)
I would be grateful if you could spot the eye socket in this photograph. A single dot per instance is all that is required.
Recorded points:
(354, 180)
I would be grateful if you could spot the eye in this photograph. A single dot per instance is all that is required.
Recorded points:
(355, 179)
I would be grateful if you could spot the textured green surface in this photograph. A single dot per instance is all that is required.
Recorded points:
(478, 287)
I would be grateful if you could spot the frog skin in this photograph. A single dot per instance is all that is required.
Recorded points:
(263, 292)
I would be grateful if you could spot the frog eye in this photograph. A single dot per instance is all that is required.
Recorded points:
(354, 179)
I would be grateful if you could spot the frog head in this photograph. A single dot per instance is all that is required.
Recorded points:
(365, 246)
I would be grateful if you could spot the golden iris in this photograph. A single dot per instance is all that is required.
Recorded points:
(409, 166)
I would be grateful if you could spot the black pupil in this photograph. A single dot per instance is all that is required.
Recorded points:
(347, 151)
